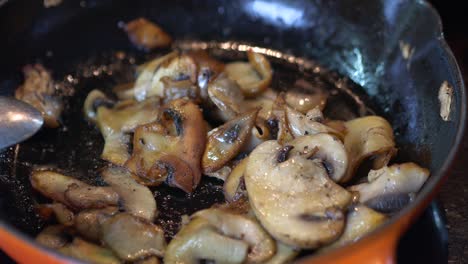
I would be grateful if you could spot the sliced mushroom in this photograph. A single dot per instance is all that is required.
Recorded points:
(147, 71)
(53, 185)
(225, 142)
(132, 238)
(360, 221)
(146, 35)
(208, 69)
(175, 89)
(227, 96)
(85, 197)
(114, 121)
(309, 124)
(253, 77)
(326, 148)
(388, 183)
(89, 252)
(137, 199)
(293, 197)
(63, 215)
(234, 186)
(88, 222)
(181, 67)
(93, 101)
(284, 254)
(279, 120)
(171, 148)
(303, 102)
(304, 96)
(370, 136)
(124, 90)
(54, 236)
(38, 90)
(198, 240)
(261, 245)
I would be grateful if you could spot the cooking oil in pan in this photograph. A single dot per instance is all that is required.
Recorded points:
(75, 147)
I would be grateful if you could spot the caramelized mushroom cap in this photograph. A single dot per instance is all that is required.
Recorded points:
(370, 136)
(116, 120)
(88, 222)
(171, 148)
(253, 77)
(137, 199)
(326, 148)
(199, 240)
(208, 69)
(132, 238)
(85, 197)
(225, 142)
(388, 184)
(234, 185)
(261, 245)
(146, 35)
(227, 96)
(306, 209)
(38, 90)
(54, 185)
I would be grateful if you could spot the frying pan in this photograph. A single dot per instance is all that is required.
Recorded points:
(361, 39)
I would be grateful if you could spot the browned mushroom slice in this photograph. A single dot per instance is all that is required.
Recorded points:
(389, 188)
(234, 186)
(226, 141)
(326, 148)
(360, 221)
(253, 77)
(293, 197)
(38, 90)
(304, 96)
(178, 68)
(93, 101)
(137, 199)
(53, 185)
(227, 97)
(63, 215)
(84, 197)
(309, 124)
(175, 89)
(146, 35)
(132, 238)
(172, 148)
(261, 245)
(89, 252)
(199, 240)
(54, 236)
(114, 121)
(88, 222)
(208, 69)
(370, 136)
(146, 72)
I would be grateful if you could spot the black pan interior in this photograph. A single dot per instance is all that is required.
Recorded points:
(343, 36)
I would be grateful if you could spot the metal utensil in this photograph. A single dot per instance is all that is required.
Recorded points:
(18, 121)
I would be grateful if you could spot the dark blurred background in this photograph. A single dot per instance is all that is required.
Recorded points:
(454, 195)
